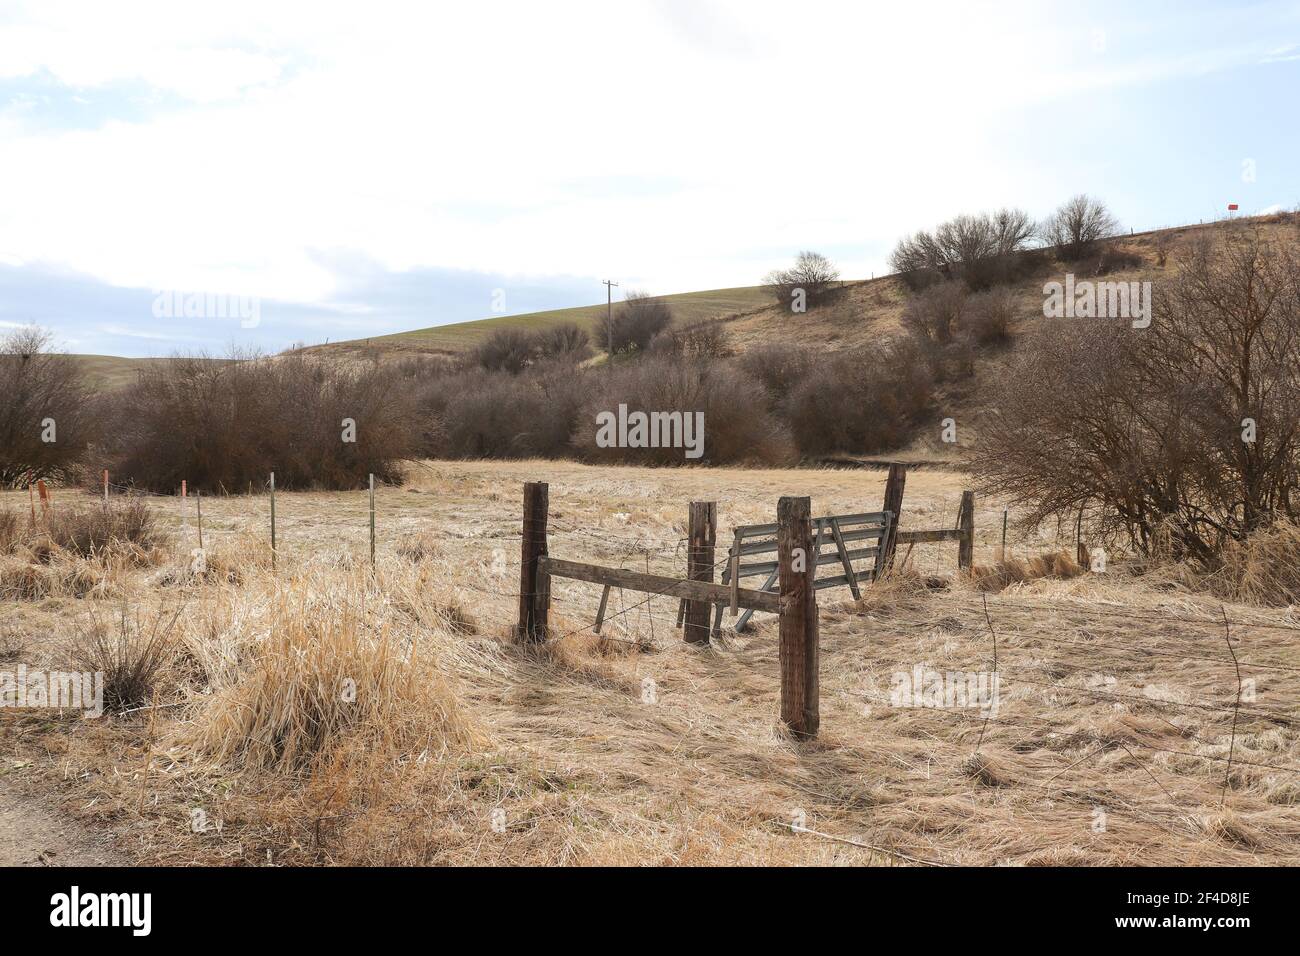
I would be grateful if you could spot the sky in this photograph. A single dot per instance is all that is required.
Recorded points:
(346, 170)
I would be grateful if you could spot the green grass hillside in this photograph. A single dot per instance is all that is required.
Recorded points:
(446, 339)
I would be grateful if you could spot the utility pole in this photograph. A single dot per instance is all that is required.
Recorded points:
(609, 318)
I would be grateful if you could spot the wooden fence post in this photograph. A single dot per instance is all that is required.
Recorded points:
(894, 505)
(798, 649)
(966, 525)
(702, 532)
(534, 583)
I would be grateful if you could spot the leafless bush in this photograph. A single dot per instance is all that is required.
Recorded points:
(1111, 259)
(566, 341)
(935, 315)
(506, 350)
(513, 349)
(634, 323)
(862, 404)
(223, 425)
(496, 415)
(1146, 428)
(812, 272)
(736, 427)
(989, 314)
(699, 340)
(980, 250)
(780, 369)
(1074, 230)
(46, 416)
(1163, 243)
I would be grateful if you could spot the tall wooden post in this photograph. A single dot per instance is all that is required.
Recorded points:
(894, 505)
(702, 532)
(534, 584)
(966, 525)
(798, 650)
(372, 521)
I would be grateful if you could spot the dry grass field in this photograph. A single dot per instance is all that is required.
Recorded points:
(1110, 743)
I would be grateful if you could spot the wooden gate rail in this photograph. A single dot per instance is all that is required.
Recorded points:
(837, 531)
(659, 584)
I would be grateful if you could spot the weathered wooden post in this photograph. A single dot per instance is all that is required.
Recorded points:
(798, 649)
(966, 525)
(702, 529)
(534, 583)
(894, 505)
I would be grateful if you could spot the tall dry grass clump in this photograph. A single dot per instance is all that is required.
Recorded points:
(1263, 569)
(1058, 565)
(322, 679)
(133, 653)
(125, 526)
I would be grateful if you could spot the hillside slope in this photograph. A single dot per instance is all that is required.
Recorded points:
(461, 336)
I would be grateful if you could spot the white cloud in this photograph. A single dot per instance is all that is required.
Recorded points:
(462, 136)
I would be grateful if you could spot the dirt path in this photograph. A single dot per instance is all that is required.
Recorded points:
(34, 834)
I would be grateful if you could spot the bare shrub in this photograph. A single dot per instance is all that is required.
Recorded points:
(1074, 230)
(861, 404)
(224, 425)
(634, 322)
(1163, 244)
(1111, 259)
(812, 272)
(132, 654)
(513, 349)
(699, 340)
(566, 341)
(980, 250)
(736, 427)
(935, 315)
(1144, 428)
(780, 369)
(496, 415)
(42, 390)
(506, 350)
(989, 314)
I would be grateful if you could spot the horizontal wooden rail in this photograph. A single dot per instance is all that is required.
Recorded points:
(658, 584)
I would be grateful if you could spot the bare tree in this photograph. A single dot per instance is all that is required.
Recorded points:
(1181, 435)
(980, 250)
(1077, 226)
(47, 418)
(812, 272)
